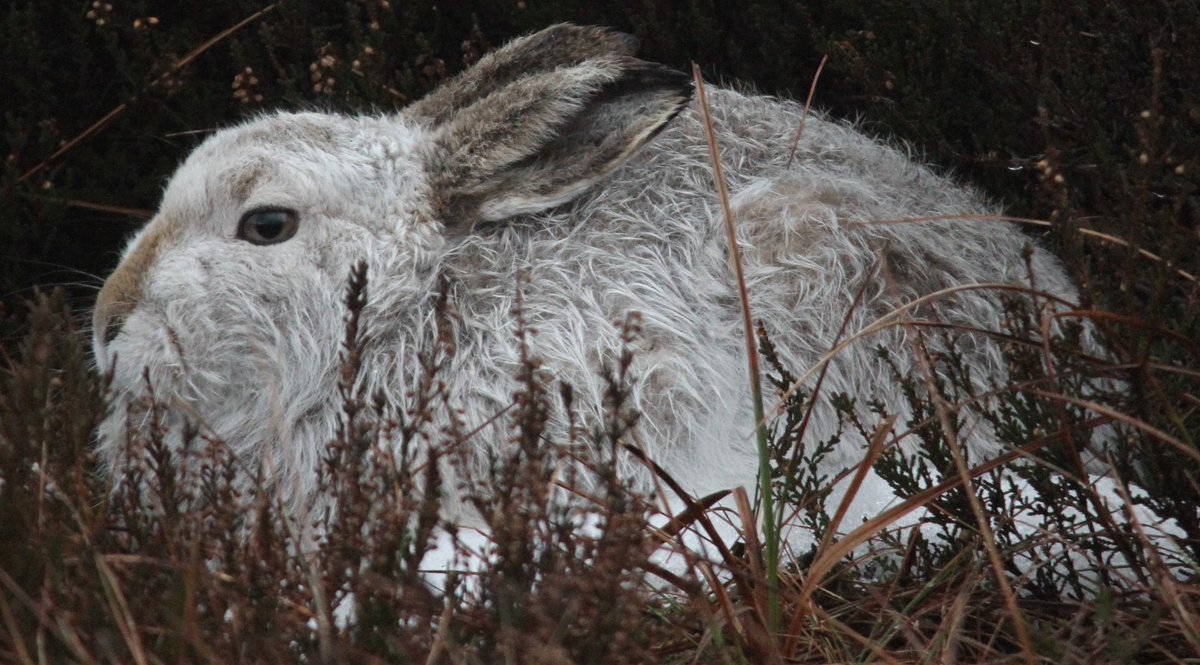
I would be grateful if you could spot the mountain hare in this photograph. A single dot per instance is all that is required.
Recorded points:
(562, 158)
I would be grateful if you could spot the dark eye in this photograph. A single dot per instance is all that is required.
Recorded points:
(267, 226)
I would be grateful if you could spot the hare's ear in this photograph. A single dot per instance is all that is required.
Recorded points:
(543, 139)
(561, 45)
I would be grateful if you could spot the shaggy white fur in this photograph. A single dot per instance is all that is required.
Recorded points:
(562, 158)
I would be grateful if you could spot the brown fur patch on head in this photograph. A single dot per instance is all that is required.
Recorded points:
(244, 179)
(310, 129)
(251, 156)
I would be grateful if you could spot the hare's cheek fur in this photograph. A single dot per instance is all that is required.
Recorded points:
(242, 339)
(227, 332)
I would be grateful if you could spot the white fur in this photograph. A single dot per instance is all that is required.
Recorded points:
(245, 339)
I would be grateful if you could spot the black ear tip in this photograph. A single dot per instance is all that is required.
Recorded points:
(592, 39)
(653, 74)
(621, 42)
(631, 43)
(683, 82)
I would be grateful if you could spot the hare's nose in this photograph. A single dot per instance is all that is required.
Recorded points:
(113, 306)
(109, 318)
(123, 289)
(112, 327)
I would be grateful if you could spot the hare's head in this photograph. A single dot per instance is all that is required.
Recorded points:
(230, 300)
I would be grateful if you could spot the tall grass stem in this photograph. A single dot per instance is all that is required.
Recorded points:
(769, 517)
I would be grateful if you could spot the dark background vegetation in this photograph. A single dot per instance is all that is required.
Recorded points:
(1083, 114)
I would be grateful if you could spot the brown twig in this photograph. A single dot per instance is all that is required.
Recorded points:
(1099, 235)
(812, 90)
(101, 124)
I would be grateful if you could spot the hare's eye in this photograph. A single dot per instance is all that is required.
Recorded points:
(267, 226)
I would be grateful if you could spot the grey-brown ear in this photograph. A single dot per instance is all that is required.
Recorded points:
(544, 138)
(561, 45)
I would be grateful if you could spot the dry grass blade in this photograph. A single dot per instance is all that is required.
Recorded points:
(68, 638)
(1133, 322)
(690, 587)
(874, 449)
(952, 625)
(728, 608)
(770, 527)
(135, 213)
(1090, 233)
(696, 511)
(854, 636)
(1183, 448)
(812, 91)
(749, 532)
(764, 640)
(15, 638)
(120, 611)
(759, 599)
(1107, 237)
(828, 558)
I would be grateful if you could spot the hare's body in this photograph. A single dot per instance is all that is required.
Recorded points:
(527, 166)
(651, 240)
